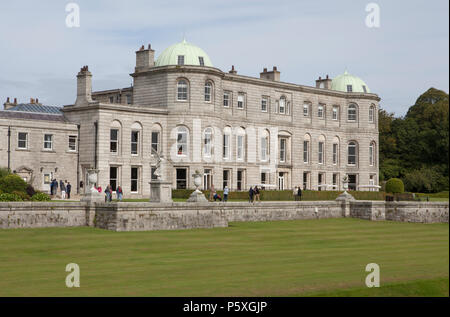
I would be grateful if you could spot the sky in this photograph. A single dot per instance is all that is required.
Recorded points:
(399, 60)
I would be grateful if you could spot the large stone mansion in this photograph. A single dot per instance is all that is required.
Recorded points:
(236, 130)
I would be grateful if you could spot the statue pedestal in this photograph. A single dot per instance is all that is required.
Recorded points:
(93, 196)
(160, 191)
(196, 197)
(345, 199)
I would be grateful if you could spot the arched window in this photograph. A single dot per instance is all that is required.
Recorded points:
(240, 144)
(372, 154)
(156, 138)
(136, 132)
(321, 150)
(352, 113)
(207, 141)
(335, 150)
(352, 153)
(306, 145)
(114, 137)
(182, 141)
(371, 113)
(182, 90)
(226, 143)
(208, 91)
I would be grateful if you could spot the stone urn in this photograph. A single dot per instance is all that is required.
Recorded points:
(92, 179)
(197, 180)
(197, 195)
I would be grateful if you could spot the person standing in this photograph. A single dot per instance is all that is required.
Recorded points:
(257, 194)
(250, 194)
(119, 193)
(68, 189)
(294, 192)
(108, 194)
(55, 186)
(225, 194)
(62, 187)
(299, 193)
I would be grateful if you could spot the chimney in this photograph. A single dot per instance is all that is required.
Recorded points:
(233, 71)
(145, 58)
(274, 74)
(8, 105)
(84, 86)
(323, 83)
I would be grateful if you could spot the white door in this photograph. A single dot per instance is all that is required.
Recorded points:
(281, 181)
(46, 180)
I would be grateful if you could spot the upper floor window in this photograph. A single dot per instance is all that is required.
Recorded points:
(305, 151)
(305, 109)
(155, 141)
(352, 113)
(72, 143)
(282, 105)
(208, 89)
(48, 141)
(264, 104)
(111, 99)
(182, 90)
(240, 101)
(180, 60)
(371, 113)
(201, 61)
(182, 137)
(22, 140)
(114, 140)
(320, 150)
(226, 146)
(335, 113)
(320, 111)
(352, 153)
(282, 150)
(335, 153)
(226, 99)
(134, 142)
(349, 88)
(207, 150)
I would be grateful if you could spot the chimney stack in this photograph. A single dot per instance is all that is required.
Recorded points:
(323, 83)
(274, 74)
(84, 86)
(8, 105)
(232, 71)
(145, 58)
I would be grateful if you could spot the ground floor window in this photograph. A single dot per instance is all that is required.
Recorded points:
(181, 178)
(226, 178)
(134, 179)
(352, 181)
(113, 173)
(153, 170)
(264, 179)
(320, 179)
(240, 180)
(305, 180)
(281, 180)
(335, 181)
(207, 179)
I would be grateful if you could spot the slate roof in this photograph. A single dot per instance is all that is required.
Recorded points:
(31, 111)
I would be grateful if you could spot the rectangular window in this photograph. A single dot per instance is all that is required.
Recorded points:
(240, 180)
(180, 59)
(305, 180)
(114, 140)
(335, 153)
(335, 182)
(181, 178)
(264, 104)
(305, 151)
(201, 61)
(282, 105)
(305, 110)
(352, 181)
(226, 146)
(182, 143)
(226, 178)
(320, 111)
(282, 150)
(22, 140)
(320, 178)
(263, 178)
(113, 177)
(48, 141)
(349, 88)
(240, 99)
(111, 99)
(364, 88)
(226, 99)
(320, 152)
(335, 113)
(155, 141)
(134, 179)
(240, 147)
(208, 87)
(129, 99)
(72, 143)
(134, 142)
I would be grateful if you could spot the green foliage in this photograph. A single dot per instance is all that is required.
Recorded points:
(4, 172)
(40, 197)
(22, 195)
(395, 185)
(12, 183)
(425, 180)
(10, 197)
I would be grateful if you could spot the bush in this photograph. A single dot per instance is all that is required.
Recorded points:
(4, 172)
(40, 197)
(30, 190)
(22, 195)
(426, 180)
(12, 183)
(10, 197)
(395, 186)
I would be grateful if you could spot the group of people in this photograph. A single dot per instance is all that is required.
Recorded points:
(297, 193)
(213, 195)
(253, 194)
(64, 187)
(109, 191)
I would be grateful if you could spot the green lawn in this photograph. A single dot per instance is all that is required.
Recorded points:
(324, 257)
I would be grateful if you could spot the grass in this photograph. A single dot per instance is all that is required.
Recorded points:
(324, 257)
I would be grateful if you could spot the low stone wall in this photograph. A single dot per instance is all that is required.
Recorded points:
(41, 214)
(154, 216)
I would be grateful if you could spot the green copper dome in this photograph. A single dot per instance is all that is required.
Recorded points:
(349, 83)
(192, 55)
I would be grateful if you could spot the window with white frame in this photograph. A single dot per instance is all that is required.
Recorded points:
(114, 140)
(135, 142)
(320, 152)
(180, 60)
(352, 153)
(155, 141)
(226, 99)
(351, 113)
(48, 141)
(372, 154)
(207, 150)
(320, 111)
(349, 88)
(264, 104)
(282, 105)
(72, 143)
(283, 150)
(226, 146)
(182, 90)
(371, 113)
(335, 153)
(305, 151)
(335, 113)
(22, 140)
(240, 101)
(182, 137)
(208, 89)
(240, 147)
(306, 110)
(134, 179)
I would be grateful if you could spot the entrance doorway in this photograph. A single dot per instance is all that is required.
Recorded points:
(281, 181)
(207, 179)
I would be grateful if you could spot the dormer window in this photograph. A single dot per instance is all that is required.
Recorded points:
(201, 61)
(349, 88)
(180, 59)
(364, 88)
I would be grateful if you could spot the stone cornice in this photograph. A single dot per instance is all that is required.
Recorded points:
(114, 107)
